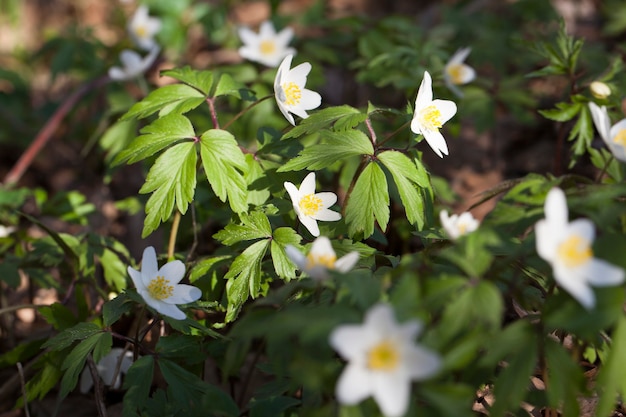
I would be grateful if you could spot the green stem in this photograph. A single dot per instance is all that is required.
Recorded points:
(174, 232)
(244, 111)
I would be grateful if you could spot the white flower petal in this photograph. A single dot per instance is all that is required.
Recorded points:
(352, 341)
(604, 274)
(310, 223)
(436, 141)
(425, 92)
(327, 215)
(266, 30)
(354, 385)
(184, 294)
(583, 228)
(573, 281)
(421, 363)
(328, 198)
(293, 192)
(136, 277)
(347, 262)
(247, 36)
(555, 207)
(284, 36)
(381, 318)
(149, 265)
(447, 108)
(460, 55)
(601, 120)
(173, 271)
(308, 184)
(298, 74)
(170, 310)
(310, 100)
(322, 247)
(296, 256)
(117, 73)
(392, 394)
(546, 241)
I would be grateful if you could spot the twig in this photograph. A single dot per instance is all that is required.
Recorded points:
(20, 371)
(211, 102)
(368, 123)
(97, 384)
(44, 135)
(174, 232)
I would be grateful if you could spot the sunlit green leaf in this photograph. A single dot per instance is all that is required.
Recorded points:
(173, 98)
(369, 201)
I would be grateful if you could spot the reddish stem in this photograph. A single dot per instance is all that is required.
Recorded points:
(211, 103)
(48, 130)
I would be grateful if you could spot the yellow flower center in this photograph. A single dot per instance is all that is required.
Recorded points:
(292, 93)
(327, 261)
(267, 47)
(431, 117)
(455, 72)
(575, 251)
(383, 357)
(620, 138)
(160, 289)
(310, 204)
(141, 31)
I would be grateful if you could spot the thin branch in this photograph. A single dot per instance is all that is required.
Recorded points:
(173, 233)
(97, 386)
(20, 371)
(244, 111)
(211, 102)
(368, 123)
(44, 135)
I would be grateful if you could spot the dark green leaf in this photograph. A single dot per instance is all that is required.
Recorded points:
(322, 119)
(244, 277)
(115, 308)
(75, 360)
(137, 382)
(369, 200)
(68, 336)
(563, 112)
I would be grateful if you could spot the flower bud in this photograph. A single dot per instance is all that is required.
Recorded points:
(599, 90)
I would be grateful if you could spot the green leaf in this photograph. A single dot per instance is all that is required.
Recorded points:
(158, 135)
(186, 387)
(137, 382)
(283, 266)
(563, 112)
(75, 360)
(255, 225)
(226, 86)
(172, 179)
(200, 80)
(173, 98)
(115, 308)
(335, 146)
(582, 132)
(369, 200)
(406, 176)
(225, 167)
(59, 316)
(46, 379)
(274, 406)
(244, 277)
(611, 376)
(117, 137)
(67, 337)
(322, 119)
(566, 379)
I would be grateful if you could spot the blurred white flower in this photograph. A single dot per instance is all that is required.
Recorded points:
(291, 96)
(133, 65)
(160, 288)
(310, 206)
(267, 47)
(383, 359)
(430, 115)
(458, 224)
(599, 90)
(567, 247)
(106, 369)
(457, 72)
(614, 136)
(321, 258)
(6, 230)
(142, 28)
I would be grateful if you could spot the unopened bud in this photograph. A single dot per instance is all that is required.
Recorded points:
(599, 90)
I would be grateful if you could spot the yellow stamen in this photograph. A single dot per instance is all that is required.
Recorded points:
(456, 72)
(141, 31)
(383, 357)
(267, 47)
(327, 261)
(620, 137)
(431, 118)
(160, 289)
(310, 204)
(293, 94)
(575, 251)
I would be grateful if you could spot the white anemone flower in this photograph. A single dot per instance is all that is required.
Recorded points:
(457, 72)
(458, 224)
(107, 367)
(614, 136)
(133, 65)
(267, 47)
(430, 116)
(567, 247)
(291, 96)
(5, 231)
(160, 288)
(383, 359)
(321, 259)
(310, 206)
(142, 28)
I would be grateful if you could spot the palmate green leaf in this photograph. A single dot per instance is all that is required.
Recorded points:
(225, 167)
(156, 136)
(173, 98)
(563, 112)
(67, 337)
(325, 118)
(582, 132)
(137, 382)
(335, 146)
(115, 308)
(255, 225)
(186, 387)
(44, 380)
(59, 316)
(200, 80)
(283, 266)
(611, 377)
(369, 200)
(172, 179)
(407, 177)
(75, 360)
(244, 277)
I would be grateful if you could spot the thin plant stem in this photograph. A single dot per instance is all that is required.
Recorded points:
(44, 135)
(211, 102)
(174, 232)
(368, 123)
(244, 111)
(98, 389)
(392, 134)
(604, 168)
(20, 371)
